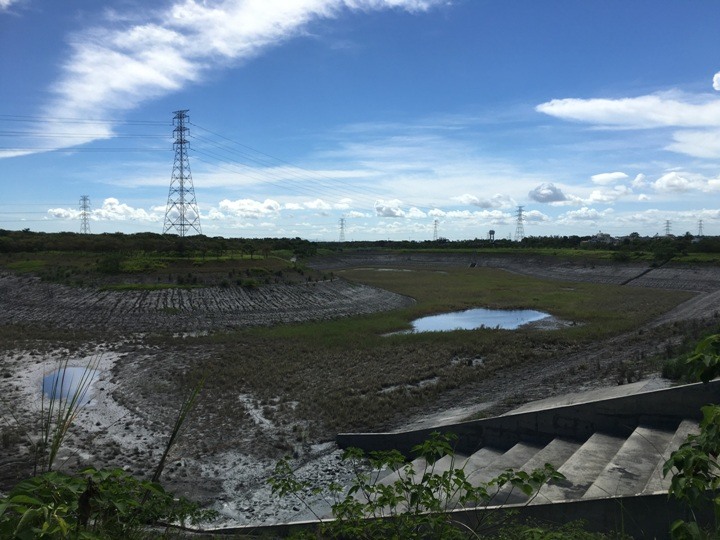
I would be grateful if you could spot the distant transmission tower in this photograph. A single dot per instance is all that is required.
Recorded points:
(84, 214)
(519, 228)
(700, 228)
(667, 227)
(181, 213)
(435, 230)
(342, 229)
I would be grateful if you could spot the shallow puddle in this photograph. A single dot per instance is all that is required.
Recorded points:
(66, 382)
(471, 319)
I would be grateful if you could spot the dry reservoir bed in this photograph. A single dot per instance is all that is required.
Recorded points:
(230, 445)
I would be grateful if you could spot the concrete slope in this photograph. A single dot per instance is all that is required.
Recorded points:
(628, 472)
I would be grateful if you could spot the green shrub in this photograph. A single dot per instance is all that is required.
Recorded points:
(418, 503)
(92, 504)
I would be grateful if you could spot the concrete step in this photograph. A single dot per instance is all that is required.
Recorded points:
(629, 470)
(581, 469)
(657, 482)
(479, 471)
(556, 452)
(420, 467)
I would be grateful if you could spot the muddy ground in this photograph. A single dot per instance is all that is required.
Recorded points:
(225, 456)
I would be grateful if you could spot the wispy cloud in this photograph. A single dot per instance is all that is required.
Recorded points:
(694, 116)
(669, 109)
(5, 4)
(115, 67)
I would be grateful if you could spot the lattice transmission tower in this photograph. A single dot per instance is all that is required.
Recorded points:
(519, 227)
(700, 228)
(342, 229)
(181, 213)
(435, 230)
(84, 214)
(668, 228)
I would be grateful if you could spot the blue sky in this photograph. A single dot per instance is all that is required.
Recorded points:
(392, 114)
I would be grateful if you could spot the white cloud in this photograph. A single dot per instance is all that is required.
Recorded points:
(389, 209)
(547, 193)
(535, 216)
(249, 208)
(5, 4)
(415, 213)
(496, 201)
(670, 109)
(674, 182)
(111, 210)
(609, 196)
(318, 204)
(696, 143)
(639, 182)
(216, 215)
(679, 181)
(604, 179)
(115, 68)
(583, 214)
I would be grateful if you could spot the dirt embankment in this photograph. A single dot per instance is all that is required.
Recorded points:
(27, 300)
(700, 278)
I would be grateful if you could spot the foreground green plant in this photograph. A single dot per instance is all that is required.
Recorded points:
(93, 504)
(696, 473)
(417, 503)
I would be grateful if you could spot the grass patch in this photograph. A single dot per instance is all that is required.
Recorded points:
(347, 376)
(26, 266)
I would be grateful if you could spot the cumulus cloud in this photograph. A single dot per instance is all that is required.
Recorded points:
(111, 210)
(584, 214)
(249, 208)
(609, 196)
(640, 181)
(604, 179)
(674, 182)
(716, 81)
(318, 204)
(547, 192)
(389, 209)
(415, 213)
(683, 182)
(114, 68)
(535, 216)
(496, 201)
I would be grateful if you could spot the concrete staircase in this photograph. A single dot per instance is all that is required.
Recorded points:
(610, 446)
